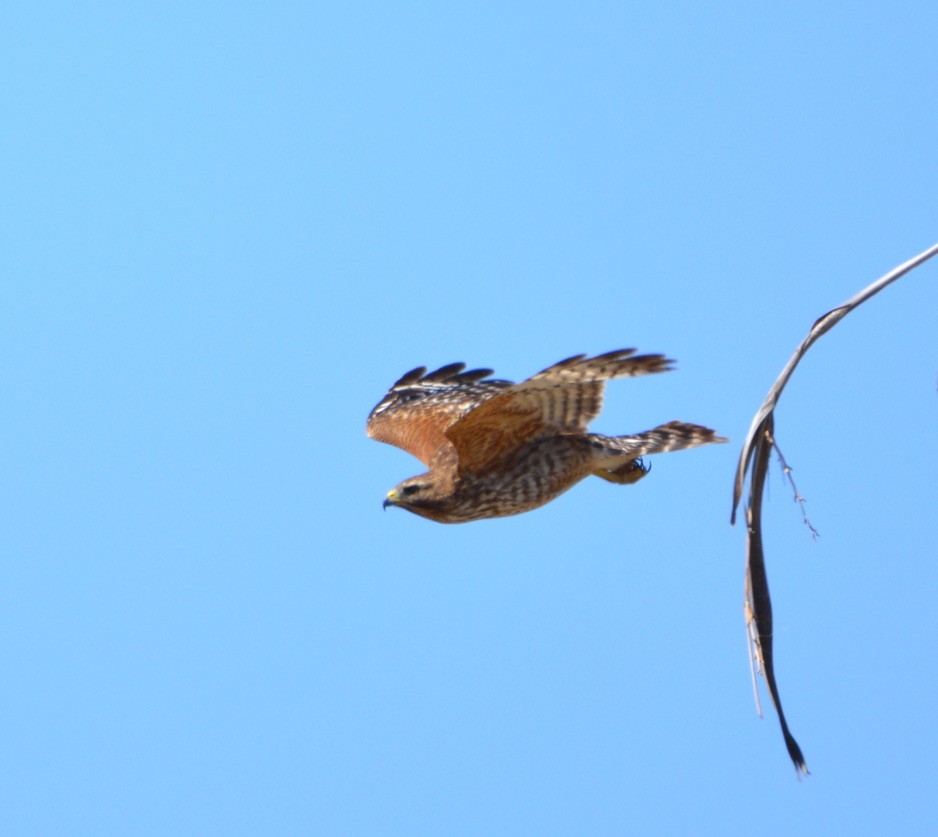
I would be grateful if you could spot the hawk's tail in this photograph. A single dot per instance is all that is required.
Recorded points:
(675, 435)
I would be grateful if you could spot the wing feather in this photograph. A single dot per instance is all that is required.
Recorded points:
(565, 397)
(419, 407)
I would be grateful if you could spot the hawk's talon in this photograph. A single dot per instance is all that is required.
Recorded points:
(627, 474)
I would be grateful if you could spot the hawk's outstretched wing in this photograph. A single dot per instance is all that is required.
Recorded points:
(419, 407)
(565, 397)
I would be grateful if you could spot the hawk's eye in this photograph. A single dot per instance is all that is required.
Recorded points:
(407, 490)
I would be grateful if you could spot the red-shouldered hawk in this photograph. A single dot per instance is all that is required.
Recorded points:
(496, 448)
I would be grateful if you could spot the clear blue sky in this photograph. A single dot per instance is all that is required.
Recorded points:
(227, 228)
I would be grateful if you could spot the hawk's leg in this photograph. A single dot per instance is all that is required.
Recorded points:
(626, 474)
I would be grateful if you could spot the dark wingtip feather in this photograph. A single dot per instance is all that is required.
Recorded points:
(470, 376)
(444, 373)
(452, 373)
(409, 378)
(615, 354)
(567, 361)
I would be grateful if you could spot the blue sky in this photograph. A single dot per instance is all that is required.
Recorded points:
(227, 228)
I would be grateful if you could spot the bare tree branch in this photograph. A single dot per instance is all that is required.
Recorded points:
(755, 453)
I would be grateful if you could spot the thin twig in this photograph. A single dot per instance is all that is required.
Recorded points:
(786, 471)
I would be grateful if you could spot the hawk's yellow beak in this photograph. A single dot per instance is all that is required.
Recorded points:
(391, 499)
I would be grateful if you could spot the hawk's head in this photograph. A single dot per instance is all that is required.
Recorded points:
(420, 495)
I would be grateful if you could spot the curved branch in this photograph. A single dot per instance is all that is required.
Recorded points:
(754, 457)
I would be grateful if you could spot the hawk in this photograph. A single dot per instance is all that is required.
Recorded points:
(496, 448)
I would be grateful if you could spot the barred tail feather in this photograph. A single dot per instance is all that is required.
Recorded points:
(675, 435)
